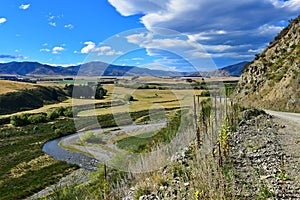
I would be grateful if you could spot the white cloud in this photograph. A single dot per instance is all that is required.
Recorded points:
(269, 29)
(293, 5)
(2, 20)
(108, 51)
(69, 26)
(199, 16)
(57, 49)
(102, 50)
(131, 7)
(53, 19)
(45, 50)
(224, 28)
(24, 6)
(137, 59)
(52, 24)
(182, 46)
(90, 46)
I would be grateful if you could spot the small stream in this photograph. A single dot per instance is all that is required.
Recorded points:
(53, 149)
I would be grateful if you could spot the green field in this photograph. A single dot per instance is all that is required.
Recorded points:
(25, 168)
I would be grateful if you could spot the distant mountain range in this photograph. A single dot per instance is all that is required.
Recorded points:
(236, 69)
(104, 69)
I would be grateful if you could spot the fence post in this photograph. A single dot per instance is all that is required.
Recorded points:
(196, 123)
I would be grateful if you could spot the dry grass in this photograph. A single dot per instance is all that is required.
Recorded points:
(13, 86)
(146, 99)
(67, 103)
(151, 79)
(33, 165)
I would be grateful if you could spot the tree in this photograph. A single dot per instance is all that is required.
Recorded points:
(100, 92)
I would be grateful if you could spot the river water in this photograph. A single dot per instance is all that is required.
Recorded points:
(53, 149)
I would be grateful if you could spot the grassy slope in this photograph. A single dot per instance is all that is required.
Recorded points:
(33, 98)
(25, 169)
(13, 86)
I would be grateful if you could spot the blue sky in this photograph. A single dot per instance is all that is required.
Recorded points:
(172, 34)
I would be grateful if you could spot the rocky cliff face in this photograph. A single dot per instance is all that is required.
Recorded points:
(272, 80)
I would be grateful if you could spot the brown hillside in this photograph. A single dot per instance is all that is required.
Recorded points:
(13, 86)
(272, 80)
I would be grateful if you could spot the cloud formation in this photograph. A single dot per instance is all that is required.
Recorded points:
(57, 49)
(101, 51)
(2, 20)
(224, 28)
(198, 15)
(90, 46)
(69, 26)
(52, 24)
(45, 50)
(24, 6)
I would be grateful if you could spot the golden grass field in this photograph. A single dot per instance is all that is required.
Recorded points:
(145, 99)
(182, 79)
(13, 86)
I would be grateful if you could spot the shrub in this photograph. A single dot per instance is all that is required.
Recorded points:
(53, 115)
(100, 92)
(58, 132)
(90, 137)
(57, 112)
(68, 112)
(37, 118)
(129, 97)
(19, 120)
(205, 93)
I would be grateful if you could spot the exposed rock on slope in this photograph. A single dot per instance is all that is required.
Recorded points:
(272, 80)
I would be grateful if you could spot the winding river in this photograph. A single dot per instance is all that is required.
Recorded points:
(53, 149)
(103, 154)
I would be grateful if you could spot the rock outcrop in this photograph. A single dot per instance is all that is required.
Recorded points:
(272, 80)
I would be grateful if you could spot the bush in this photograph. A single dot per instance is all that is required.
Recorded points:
(52, 115)
(100, 92)
(57, 112)
(90, 137)
(19, 120)
(129, 97)
(38, 118)
(205, 93)
(68, 112)
(58, 132)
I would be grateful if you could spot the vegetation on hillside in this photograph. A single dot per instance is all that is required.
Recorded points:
(29, 99)
(25, 168)
(272, 79)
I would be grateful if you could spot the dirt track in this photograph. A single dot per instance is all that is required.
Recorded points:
(289, 139)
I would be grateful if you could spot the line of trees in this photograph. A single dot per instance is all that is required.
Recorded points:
(86, 91)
